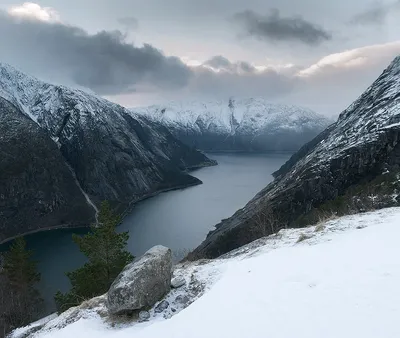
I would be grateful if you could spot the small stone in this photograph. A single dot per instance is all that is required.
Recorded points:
(177, 282)
(144, 316)
(161, 307)
(173, 309)
(182, 299)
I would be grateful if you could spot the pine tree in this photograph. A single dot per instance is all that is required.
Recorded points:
(22, 301)
(105, 250)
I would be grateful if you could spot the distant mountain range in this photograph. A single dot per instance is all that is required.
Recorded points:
(243, 125)
(353, 166)
(63, 151)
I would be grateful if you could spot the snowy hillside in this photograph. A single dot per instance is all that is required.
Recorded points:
(238, 125)
(341, 281)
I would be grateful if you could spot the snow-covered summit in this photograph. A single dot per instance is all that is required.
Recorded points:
(366, 120)
(251, 124)
(43, 102)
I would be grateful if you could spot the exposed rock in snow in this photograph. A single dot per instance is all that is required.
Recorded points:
(144, 316)
(113, 155)
(142, 283)
(356, 150)
(161, 307)
(238, 125)
(177, 282)
(344, 279)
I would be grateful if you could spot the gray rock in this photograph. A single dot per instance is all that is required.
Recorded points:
(182, 299)
(144, 316)
(142, 283)
(177, 282)
(161, 307)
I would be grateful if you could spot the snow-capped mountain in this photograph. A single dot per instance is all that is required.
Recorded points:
(352, 166)
(61, 148)
(238, 124)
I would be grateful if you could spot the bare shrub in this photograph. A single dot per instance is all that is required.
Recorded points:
(267, 222)
(303, 237)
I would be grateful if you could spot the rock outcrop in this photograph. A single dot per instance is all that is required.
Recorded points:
(109, 153)
(243, 125)
(352, 166)
(142, 283)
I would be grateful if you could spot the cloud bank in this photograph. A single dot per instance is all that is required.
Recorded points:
(37, 41)
(31, 38)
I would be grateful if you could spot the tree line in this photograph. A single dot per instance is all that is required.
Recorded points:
(21, 303)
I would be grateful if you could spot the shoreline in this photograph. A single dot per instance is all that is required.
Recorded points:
(127, 211)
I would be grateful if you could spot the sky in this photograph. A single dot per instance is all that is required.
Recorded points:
(312, 53)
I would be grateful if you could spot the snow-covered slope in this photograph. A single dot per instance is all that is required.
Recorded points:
(112, 155)
(238, 125)
(340, 282)
(353, 165)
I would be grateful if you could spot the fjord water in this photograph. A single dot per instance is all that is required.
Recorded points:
(177, 219)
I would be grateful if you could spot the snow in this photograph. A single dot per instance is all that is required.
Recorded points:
(46, 103)
(342, 282)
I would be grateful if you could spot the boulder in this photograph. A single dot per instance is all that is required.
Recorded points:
(177, 282)
(142, 283)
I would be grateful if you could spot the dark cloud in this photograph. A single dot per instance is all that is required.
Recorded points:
(219, 62)
(103, 62)
(129, 23)
(376, 14)
(274, 27)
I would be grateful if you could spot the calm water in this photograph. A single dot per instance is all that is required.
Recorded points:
(178, 219)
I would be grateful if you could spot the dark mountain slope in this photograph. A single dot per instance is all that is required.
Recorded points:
(352, 166)
(113, 155)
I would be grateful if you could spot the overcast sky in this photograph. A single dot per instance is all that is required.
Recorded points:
(313, 53)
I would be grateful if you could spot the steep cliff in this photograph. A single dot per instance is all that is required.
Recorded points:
(352, 166)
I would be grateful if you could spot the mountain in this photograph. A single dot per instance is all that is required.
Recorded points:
(352, 166)
(247, 125)
(63, 151)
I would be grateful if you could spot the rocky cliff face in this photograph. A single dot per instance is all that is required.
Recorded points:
(246, 125)
(71, 144)
(36, 187)
(352, 166)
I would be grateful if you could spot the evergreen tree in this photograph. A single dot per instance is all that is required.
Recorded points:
(22, 302)
(105, 250)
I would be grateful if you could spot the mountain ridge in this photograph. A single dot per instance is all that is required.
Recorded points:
(113, 155)
(248, 125)
(352, 166)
